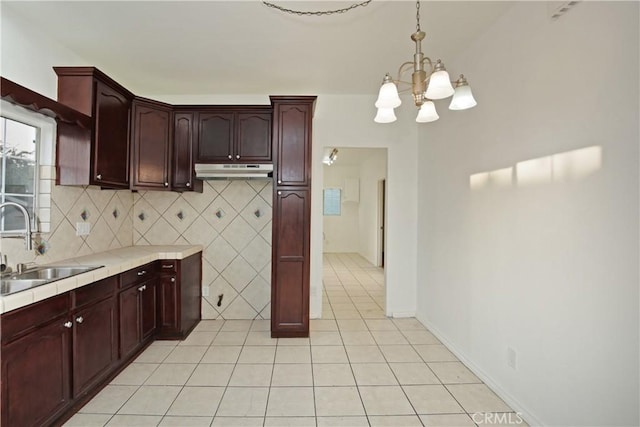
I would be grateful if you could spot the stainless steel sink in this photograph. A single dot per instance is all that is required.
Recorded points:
(9, 286)
(16, 282)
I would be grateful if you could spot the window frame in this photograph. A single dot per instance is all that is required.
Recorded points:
(44, 169)
(325, 194)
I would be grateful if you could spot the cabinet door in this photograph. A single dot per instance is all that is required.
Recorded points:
(95, 346)
(36, 377)
(110, 148)
(290, 277)
(169, 313)
(128, 304)
(292, 129)
(215, 137)
(150, 159)
(253, 143)
(183, 144)
(148, 314)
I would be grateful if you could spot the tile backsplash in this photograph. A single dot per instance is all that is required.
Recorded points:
(232, 221)
(108, 212)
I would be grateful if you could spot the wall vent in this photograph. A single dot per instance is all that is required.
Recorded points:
(559, 8)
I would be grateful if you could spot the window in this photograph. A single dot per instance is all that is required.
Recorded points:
(18, 170)
(332, 201)
(26, 146)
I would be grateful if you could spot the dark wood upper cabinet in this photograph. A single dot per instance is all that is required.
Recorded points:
(150, 145)
(229, 134)
(182, 171)
(91, 92)
(292, 142)
(215, 137)
(253, 143)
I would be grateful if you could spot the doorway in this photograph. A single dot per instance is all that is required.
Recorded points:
(353, 232)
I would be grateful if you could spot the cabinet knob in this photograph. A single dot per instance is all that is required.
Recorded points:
(230, 157)
(79, 319)
(142, 273)
(279, 181)
(142, 288)
(99, 176)
(237, 156)
(188, 184)
(279, 193)
(166, 184)
(67, 325)
(173, 280)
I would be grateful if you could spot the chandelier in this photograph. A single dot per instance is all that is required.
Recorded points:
(426, 85)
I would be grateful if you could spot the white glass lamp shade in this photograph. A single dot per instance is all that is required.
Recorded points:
(439, 85)
(385, 115)
(388, 96)
(462, 98)
(427, 113)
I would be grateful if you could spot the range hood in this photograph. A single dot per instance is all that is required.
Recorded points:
(233, 170)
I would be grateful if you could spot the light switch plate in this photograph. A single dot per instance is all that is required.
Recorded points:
(83, 228)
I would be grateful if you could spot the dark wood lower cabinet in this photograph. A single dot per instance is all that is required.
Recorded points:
(35, 376)
(128, 306)
(290, 277)
(95, 344)
(58, 353)
(180, 297)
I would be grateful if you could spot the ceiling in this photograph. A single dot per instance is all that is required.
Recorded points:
(244, 47)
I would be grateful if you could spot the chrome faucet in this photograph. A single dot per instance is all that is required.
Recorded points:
(27, 222)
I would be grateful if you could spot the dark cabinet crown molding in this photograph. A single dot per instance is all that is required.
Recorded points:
(19, 95)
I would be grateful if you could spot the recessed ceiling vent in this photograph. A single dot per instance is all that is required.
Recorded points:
(559, 8)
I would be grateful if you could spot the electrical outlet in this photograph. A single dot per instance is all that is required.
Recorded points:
(512, 358)
(205, 291)
(83, 228)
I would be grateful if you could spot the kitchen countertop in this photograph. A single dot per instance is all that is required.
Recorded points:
(115, 261)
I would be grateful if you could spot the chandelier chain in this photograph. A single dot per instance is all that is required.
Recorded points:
(418, 16)
(315, 13)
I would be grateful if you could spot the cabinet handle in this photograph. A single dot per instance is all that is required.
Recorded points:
(79, 319)
(188, 184)
(99, 176)
(67, 325)
(230, 157)
(166, 184)
(142, 288)
(167, 265)
(237, 156)
(142, 273)
(173, 280)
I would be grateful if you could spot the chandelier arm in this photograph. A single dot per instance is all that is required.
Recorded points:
(400, 69)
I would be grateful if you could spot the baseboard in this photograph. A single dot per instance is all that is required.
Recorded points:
(401, 314)
(514, 403)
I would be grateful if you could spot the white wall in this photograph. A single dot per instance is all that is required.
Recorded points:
(27, 56)
(347, 121)
(542, 260)
(372, 170)
(340, 232)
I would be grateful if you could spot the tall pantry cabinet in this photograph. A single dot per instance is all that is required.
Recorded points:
(292, 117)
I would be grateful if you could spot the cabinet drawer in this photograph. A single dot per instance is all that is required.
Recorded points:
(137, 275)
(94, 292)
(168, 266)
(23, 320)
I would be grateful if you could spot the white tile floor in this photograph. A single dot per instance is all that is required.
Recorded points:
(358, 368)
